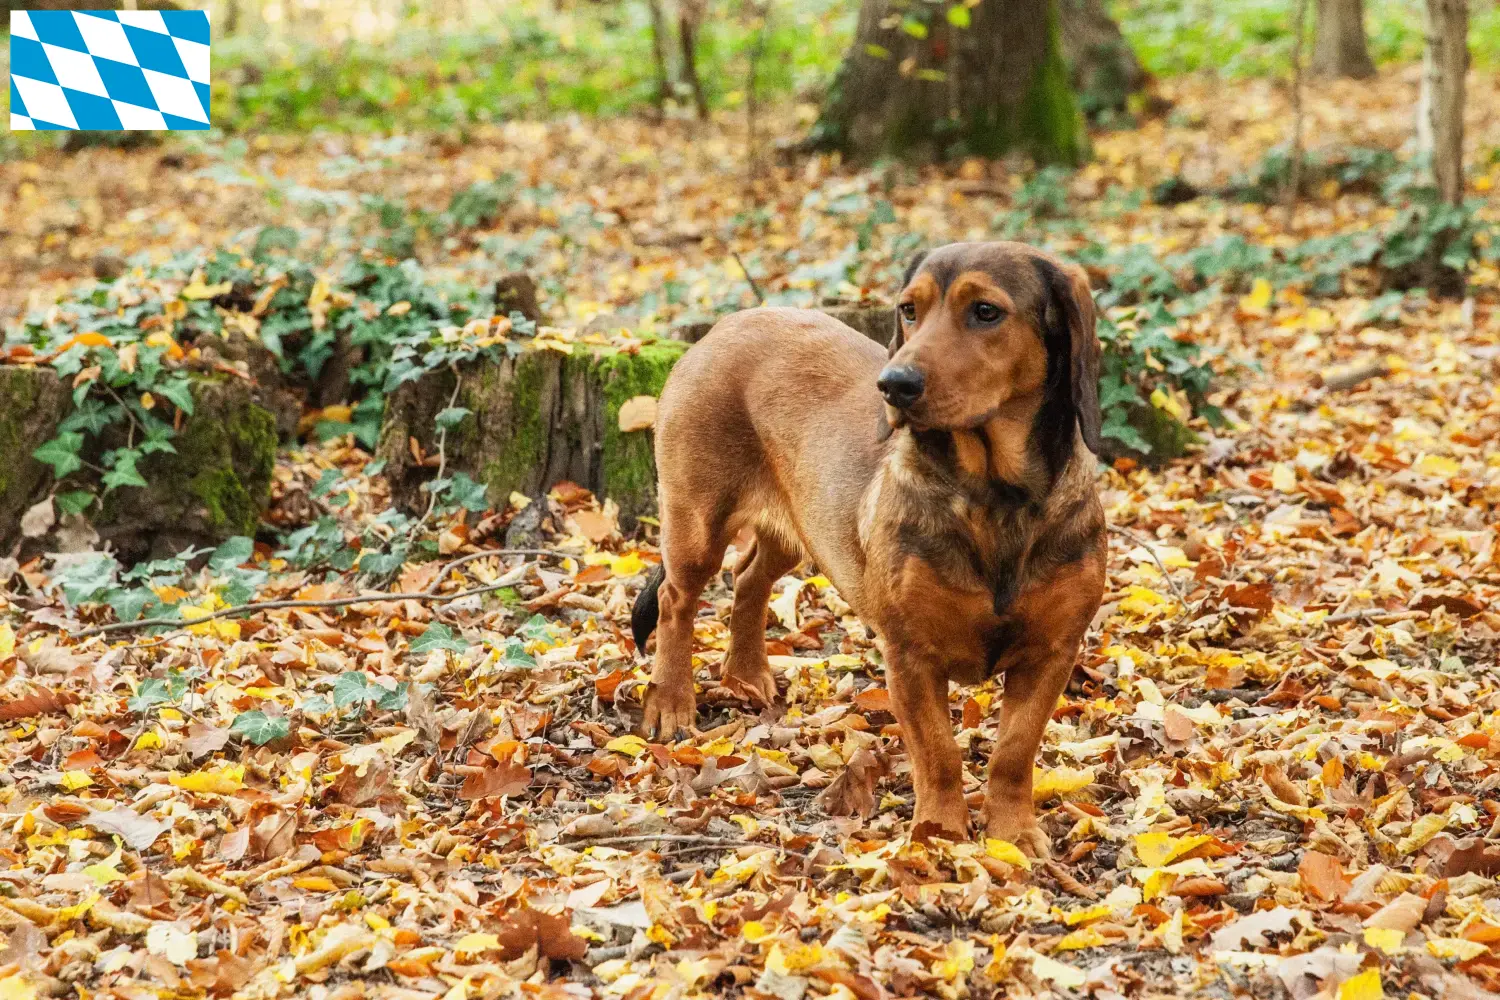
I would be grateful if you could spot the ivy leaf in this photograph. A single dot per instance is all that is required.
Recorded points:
(536, 627)
(914, 28)
(128, 605)
(438, 636)
(393, 700)
(84, 580)
(353, 688)
(515, 655)
(452, 417)
(180, 392)
(122, 471)
(231, 554)
(74, 501)
(468, 494)
(61, 453)
(260, 728)
(958, 16)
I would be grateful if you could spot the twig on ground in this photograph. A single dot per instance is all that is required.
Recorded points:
(1143, 543)
(376, 597)
(432, 494)
(760, 299)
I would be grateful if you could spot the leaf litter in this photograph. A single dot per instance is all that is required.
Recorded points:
(1275, 770)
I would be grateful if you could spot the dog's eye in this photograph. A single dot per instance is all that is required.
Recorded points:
(986, 312)
(909, 311)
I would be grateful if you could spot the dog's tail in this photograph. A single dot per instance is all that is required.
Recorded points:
(647, 610)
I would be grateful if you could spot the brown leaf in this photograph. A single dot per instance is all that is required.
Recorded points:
(1472, 854)
(551, 933)
(638, 413)
(1323, 876)
(1401, 914)
(874, 699)
(355, 789)
(1179, 727)
(42, 701)
(509, 778)
(203, 740)
(1283, 787)
(852, 793)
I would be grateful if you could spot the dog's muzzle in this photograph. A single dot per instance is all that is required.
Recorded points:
(901, 385)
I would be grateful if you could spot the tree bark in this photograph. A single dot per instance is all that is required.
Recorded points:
(1102, 68)
(1339, 40)
(927, 82)
(1440, 110)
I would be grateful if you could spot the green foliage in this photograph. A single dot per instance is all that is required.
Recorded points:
(535, 60)
(260, 728)
(438, 636)
(1254, 37)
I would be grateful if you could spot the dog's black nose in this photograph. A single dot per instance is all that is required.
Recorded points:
(901, 385)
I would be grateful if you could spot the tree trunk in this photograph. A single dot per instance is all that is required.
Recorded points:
(1339, 40)
(1440, 111)
(982, 80)
(1102, 68)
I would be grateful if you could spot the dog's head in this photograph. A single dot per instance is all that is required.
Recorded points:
(985, 327)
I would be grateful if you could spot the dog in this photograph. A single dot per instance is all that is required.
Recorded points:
(946, 487)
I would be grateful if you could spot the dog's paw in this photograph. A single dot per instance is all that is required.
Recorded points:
(1029, 837)
(668, 711)
(758, 689)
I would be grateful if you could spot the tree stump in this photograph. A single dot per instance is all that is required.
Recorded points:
(217, 484)
(536, 419)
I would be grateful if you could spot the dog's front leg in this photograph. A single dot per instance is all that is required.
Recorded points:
(919, 698)
(1032, 688)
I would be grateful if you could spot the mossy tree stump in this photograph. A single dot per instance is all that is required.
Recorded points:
(216, 484)
(535, 419)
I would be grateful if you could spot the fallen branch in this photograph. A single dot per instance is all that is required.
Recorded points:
(240, 610)
(1143, 543)
(1340, 379)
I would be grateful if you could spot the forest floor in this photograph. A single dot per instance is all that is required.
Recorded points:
(1275, 772)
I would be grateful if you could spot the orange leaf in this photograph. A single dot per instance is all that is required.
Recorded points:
(1323, 876)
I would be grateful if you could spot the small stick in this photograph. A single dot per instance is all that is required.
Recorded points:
(1126, 532)
(760, 299)
(333, 602)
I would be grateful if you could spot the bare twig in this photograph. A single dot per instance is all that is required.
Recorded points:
(432, 494)
(659, 53)
(1143, 543)
(241, 610)
(759, 298)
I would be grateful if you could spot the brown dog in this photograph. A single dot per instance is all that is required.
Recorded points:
(958, 515)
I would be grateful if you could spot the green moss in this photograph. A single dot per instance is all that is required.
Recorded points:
(1050, 125)
(629, 473)
(526, 447)
(230, 506)
(17, 399)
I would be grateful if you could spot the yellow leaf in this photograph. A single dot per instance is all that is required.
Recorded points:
(399, 308)
(629, 744)
(1283, 478)
(1158, 849)
(16, 988)
(1423, 830)
(1365, 986)
(197, 290)
(1051, 971)
(224, 781)
(105, 872)
(1059, 781)
(1386, 939)
(175, 945)
(149, 740)
(1437, 466)
(74, 780)
(1459, 948)
(7, 640)
(473, 944)
(1088, 914)
(1143, 601)
(1087, 937)
(1259, 299)
(627, 565)
(1004, 850)
(316, 883)
(148, 401)
(754, 931)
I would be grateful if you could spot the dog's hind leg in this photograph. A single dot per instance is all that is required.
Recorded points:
(692, 546)
(747, 672)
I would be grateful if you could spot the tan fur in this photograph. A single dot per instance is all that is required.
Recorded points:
(956, 537)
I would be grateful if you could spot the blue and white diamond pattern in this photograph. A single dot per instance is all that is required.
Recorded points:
(125, 69)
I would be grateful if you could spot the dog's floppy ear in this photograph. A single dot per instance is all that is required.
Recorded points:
(898, 339)
(1072, 301)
